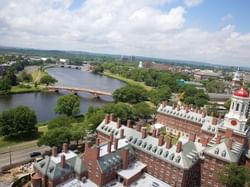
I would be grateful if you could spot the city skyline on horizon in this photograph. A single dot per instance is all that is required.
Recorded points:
(168, 29)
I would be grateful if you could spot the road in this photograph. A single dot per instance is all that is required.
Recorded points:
(19, 155)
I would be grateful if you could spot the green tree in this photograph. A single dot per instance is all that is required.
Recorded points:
(61, 121)
(55, 137)
(130, 94)
(78, 132)
(18, 121)
(68, 105)
(47, 79)
(25, 77)
(158, 95)
(5, 86)
(233, 175)
(227, 104)
(143, 110)
(122, 110)
(98, 68)
(93, 118)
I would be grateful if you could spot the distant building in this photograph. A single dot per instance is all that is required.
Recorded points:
(140, 64)
(205, 75)
(236, 81)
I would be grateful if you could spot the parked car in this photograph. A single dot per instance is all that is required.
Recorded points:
(34, 154)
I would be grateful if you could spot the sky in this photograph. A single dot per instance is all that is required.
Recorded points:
(213, 31)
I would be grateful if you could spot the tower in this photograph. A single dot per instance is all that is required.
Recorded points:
(236, 81)
(237, 116)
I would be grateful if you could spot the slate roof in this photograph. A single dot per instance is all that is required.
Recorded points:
(222, 152)
(185, 159)
(54, 170)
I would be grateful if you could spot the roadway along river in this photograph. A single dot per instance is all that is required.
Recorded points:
(43, 103)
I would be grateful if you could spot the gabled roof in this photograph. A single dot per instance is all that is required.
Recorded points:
(222, 152)
(51, 168)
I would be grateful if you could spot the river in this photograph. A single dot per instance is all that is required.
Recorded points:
(43, 103)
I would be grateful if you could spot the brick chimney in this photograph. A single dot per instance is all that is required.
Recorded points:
(178, 108)
(97, 142)
(204, 141)
(229, 133)
(121, 133)
(173, 106)
(229, 143)
(124, 157)
(192, 137)
(161, 140)
(138, 127)
(178, 147)
(168, 143)
(203, 114)
(106, 121)
(65, 148)
(187, 109)
(111, 117)
(218, 139)
(54, 151)
(129, 124)
(109, 147)
(214, 121)
(143, 132)
(111, 137)
(63, 161)
(116, 143)
(118, 123)
(164, 103)
(154, 132)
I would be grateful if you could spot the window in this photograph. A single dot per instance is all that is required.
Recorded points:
(237, 107)
(242, 108)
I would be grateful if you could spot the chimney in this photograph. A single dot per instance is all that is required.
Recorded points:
(178, 108)
(121, 133)
(62, 160)
(111, 117)
(168, 143)
(229, 143)
(116, 143)
(178, 147)
(111, 137)
(65, 148)
(138, 127)
(106, 119)
(203, 114)
(192, 137)
(218, 138)
(214, 121)
(154, 132)
(97, 149)
(109, 147)
(86, 146)
(129, 124)
(124, 157)
(54, 151)
(161, 140)
(187, 109)
(229, 133)
(173, 106)
(204, 141)
(118, 123)
(97, 142)
(143, 132)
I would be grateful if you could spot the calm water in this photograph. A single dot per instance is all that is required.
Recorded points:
(43, 103)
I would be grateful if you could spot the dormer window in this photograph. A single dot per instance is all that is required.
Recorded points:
(154, 149)
(144, 144)
(216, 151)
(160, 151)
(130, 138)
(178, 159)
(139, 142)
(149, 147)
(171, 157)
(134, 141)
(166, 154)
(223, 153)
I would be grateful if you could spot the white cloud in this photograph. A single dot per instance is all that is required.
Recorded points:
(191, 3)
(118, 26)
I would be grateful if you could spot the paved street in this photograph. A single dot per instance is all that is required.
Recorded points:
(19, 155)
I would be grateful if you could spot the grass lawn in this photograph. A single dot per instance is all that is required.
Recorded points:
(128, 81)
(13, 142)
(23, 89)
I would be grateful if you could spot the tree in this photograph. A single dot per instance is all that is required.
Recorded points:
(47, 79)
(130, 94)
(25, 77)
(122, 110)
(5, 86)
(68, 105)
(227, 104)
(98, 69)
(18, 121)
(233, 175)
(61, 121)
(143, 110)
(158, 95)
(55, 137)
(93, 118)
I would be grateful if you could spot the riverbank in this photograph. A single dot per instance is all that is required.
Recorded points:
(24, 89)
(127, 81)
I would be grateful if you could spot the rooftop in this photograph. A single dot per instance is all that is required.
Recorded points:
(132, 170)
(149, 180)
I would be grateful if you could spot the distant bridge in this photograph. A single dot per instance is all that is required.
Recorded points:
(74, 90)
